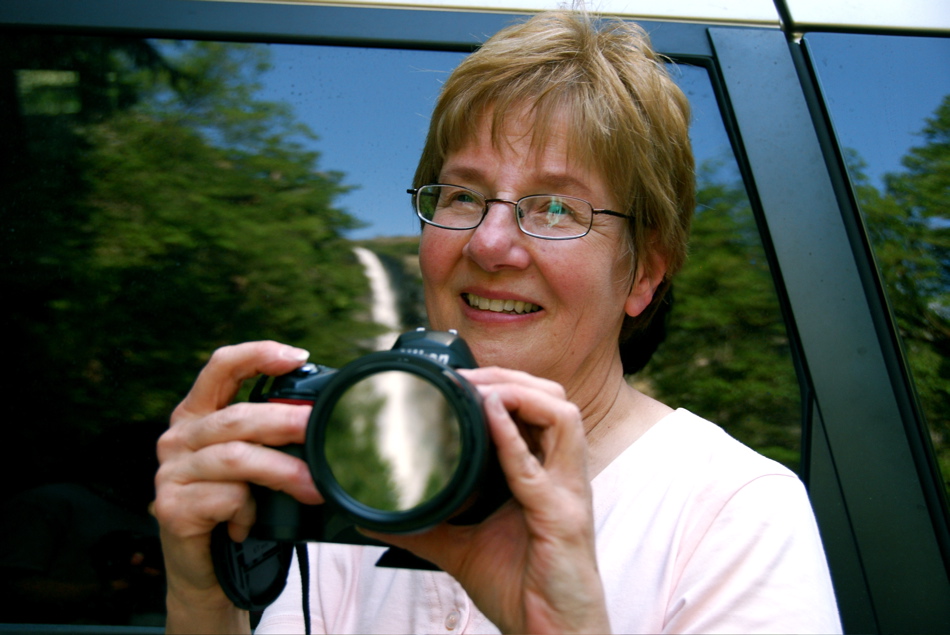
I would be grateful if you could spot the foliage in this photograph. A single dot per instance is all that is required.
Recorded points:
(352, 448)
(909, 230)
(156, 227)
(726, 354)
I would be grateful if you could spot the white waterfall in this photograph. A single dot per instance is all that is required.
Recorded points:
(404, 435)
(384, 309)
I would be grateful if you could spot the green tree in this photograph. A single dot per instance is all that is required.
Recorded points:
(726, 355)
(173, 213)
(909, 230)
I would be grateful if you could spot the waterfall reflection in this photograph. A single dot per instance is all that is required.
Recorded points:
(392, 441)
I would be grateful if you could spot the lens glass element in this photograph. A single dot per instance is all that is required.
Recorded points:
(392, 441)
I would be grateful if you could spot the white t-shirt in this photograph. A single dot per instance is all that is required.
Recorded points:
(695, 533)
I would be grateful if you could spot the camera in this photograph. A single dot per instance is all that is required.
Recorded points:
(396, 442)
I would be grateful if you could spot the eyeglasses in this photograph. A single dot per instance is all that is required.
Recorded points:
(547, 216)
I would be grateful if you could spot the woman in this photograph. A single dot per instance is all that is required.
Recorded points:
(556, 188)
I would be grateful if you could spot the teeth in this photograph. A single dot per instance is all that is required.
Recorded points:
(500, 306)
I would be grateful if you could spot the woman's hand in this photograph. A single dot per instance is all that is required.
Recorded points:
(208, 456)
(530, 567)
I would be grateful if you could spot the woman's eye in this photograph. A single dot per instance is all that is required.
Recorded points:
(459, 198)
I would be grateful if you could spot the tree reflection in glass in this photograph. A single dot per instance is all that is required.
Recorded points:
(392, 441)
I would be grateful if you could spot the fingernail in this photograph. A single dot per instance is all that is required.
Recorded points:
(296, 354)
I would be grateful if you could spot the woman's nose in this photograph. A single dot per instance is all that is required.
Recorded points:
(497, 243)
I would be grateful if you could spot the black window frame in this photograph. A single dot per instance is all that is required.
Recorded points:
(866, 455)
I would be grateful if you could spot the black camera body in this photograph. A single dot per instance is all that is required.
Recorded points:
(397, 442)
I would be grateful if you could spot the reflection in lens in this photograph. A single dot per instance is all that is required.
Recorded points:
(392, 441)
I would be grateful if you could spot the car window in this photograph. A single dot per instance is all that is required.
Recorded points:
(164, 198)
(889, 101)
(727, 354)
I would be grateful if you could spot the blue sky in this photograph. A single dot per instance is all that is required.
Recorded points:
(880, 89)
(370, 108)
(371, 126)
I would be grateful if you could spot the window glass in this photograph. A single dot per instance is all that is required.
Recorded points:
(164, 198)
(889, 99)
(727, 354)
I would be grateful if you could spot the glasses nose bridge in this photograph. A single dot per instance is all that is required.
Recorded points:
(490, 202)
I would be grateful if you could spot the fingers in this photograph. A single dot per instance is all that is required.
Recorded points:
(517, 460)
(538, 432)
(206, 504)
(206, 463)
(208, 457)
(537, 482)
(213, 450)
(212, 442)
(543, 404)
(271, 424)
(247, 462)
(490, 375)
(229, 367)
(540, 440)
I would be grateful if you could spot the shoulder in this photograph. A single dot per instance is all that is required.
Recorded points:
(722, 537)
(686, 477)
(688, 454)
(687, 486)
(694, 437)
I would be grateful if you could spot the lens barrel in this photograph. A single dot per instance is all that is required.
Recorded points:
(464, 424)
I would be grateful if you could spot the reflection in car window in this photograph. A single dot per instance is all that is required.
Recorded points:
(727, 354)
(370, 111)
(889, 100)
(162, 199)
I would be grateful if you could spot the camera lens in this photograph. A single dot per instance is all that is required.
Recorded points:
(392, 441)
(397, 442)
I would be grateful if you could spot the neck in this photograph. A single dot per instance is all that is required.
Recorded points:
(615, 414)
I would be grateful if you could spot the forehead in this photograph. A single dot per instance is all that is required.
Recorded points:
(523, 126)
(540, 144)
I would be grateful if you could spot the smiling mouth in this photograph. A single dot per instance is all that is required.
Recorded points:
(514, 307)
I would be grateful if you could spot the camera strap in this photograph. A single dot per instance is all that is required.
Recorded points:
(303, 561)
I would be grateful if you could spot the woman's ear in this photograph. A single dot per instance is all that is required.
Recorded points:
(649, 275)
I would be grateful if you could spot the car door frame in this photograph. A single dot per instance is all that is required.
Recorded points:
(866, 458)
